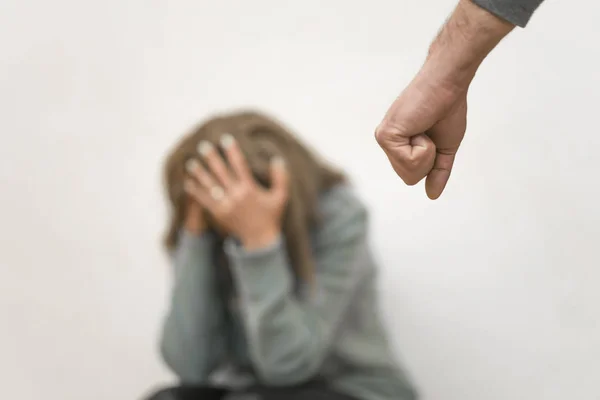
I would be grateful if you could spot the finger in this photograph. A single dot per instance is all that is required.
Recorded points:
(422, 154)
(279, 178)
(408, 175)
(192, 205)
(201, 175)
(439, 175)
(198, 193)
(391, 139)
(412, 159)
(215, 163)
(418, 159)
(447, 134)
(236, 158)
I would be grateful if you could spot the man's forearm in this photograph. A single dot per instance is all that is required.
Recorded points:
(464, 41)
(424, 127)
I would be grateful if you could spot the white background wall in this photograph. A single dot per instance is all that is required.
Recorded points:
(492, 291)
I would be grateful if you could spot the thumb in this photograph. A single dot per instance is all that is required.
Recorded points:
(438, 177)
(447, 135)
(279, 178)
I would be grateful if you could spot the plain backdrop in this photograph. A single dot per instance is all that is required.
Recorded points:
(490, 293)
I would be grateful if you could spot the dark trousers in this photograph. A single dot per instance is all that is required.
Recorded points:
(309, 391)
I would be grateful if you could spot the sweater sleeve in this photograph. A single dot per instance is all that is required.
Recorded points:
(289, 338)
(192, 340)
(517, 12)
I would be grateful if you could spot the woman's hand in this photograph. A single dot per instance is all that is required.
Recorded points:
(239, 205)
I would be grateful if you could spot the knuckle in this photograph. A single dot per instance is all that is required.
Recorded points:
(411, 180)
(411, 176)
(381, 134)
(244, 190)
(412, 162)
(387, 131)
(238, 195)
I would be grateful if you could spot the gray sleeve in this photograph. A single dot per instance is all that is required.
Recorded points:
(289, 338)
(192, 340)
(517, 12)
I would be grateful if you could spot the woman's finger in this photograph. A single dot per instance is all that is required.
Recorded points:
(200, 194)
(197, 171)
(279, 178)
(236, 158)
(215, 163)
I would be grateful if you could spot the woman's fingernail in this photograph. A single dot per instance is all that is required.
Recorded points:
(191, 165)
(278, 162)
(204, 148)
(227, 140)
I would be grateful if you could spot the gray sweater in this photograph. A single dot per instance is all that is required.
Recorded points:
(517, 12)
(275, 336)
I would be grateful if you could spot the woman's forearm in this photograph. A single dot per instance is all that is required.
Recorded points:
(193, 340)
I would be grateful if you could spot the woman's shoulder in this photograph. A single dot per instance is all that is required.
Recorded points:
(340, 199)
(342, 213)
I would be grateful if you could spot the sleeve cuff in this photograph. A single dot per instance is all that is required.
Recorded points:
(259, 273)
(511, 11)
(190, 240)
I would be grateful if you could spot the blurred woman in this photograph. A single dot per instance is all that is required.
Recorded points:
(274, 285)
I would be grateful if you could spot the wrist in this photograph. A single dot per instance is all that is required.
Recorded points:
(194, 232)
(260, 239)
(464, 41)
(195, 228)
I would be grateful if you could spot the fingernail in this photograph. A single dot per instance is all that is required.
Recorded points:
(227, 140)
(204, 148)
(278, 162)
(191, 165)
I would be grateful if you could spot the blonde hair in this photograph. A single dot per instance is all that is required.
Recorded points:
(260, 138)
